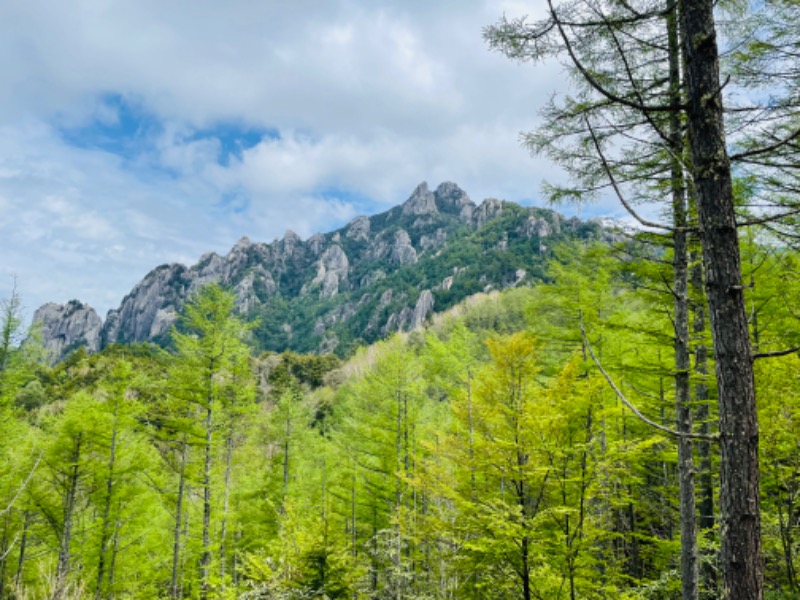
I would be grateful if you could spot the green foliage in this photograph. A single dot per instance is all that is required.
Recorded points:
(480, 457)
(490, 257)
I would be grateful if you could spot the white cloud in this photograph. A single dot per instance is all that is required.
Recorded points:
(367, 99)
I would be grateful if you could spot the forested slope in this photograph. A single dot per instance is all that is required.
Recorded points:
(485, 456)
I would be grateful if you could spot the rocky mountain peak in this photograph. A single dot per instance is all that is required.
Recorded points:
(290, 239)
(421, 202)
(68, 326)
(242, 245)
(151, 308)
(452, 199)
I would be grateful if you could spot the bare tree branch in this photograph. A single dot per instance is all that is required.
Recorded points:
(615, 185)
(767, 149)
(769, 219)
(23, 486)
(776, 353)
(631, 407)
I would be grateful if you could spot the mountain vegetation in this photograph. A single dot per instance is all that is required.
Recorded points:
(334, 292)
(485, 455)
(590, 431)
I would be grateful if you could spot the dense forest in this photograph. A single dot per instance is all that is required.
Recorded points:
(485, 456)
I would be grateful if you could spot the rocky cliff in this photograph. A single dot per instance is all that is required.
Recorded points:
(66, 327)
(376, 275)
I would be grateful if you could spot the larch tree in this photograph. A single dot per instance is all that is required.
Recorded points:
(576, 30)
(209, 351)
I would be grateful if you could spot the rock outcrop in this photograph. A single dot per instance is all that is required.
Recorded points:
(65, 327)
(359, 229)
(423, 308)
(332, 272)
(421, 202)
(403, 252)
(152, 306)
(452, 199)
(488, 210)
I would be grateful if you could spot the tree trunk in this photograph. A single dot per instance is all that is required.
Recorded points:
(62, 569)
(205, 560)
(105, 525)
(176, 543)
(706, 480)
(225, 504)
(526, 570)
(112, 565)
(683, 413)
(741, 558)
(23, 543)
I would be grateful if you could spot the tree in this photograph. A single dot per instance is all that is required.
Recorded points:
(378, 430)
(211, 352)
(579, 29)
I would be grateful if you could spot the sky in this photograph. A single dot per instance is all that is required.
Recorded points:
(135, 133)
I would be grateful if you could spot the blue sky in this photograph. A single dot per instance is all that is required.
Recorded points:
(136, 132)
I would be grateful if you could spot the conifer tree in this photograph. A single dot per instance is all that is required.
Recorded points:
(210, 350)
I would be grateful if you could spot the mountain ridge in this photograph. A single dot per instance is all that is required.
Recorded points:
(375, 275)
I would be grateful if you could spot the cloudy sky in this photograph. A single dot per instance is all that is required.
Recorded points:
(139, 132)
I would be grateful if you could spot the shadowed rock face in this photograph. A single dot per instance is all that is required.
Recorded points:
(65, 327)
(344, 278)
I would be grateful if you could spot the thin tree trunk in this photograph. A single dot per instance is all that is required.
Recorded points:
(205, 560)
(176, 543)
(683, 413)
(62, 569)
(741, 557)
(182, 567)
(23, 544)
(577, 533)
(708, 573)
(526, 570)
(105, 526)
(112, 565)
(225, 503)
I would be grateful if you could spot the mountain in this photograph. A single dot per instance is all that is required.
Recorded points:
(351, 286)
